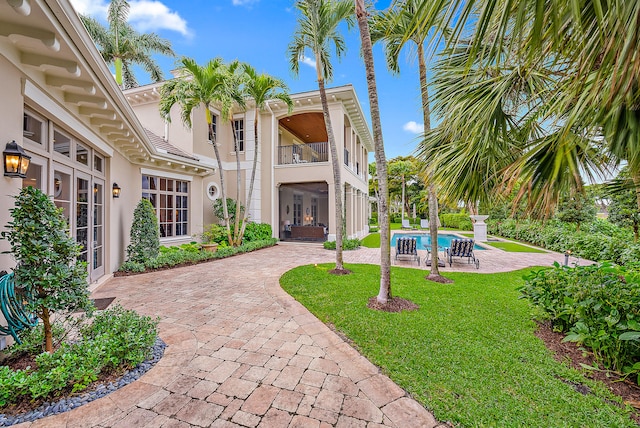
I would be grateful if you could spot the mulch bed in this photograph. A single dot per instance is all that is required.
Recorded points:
(572, 354)
(395, 304)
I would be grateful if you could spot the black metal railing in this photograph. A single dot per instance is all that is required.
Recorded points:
(303, 153)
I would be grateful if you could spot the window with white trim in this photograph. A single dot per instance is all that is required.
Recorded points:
(34, 128)
(238, 127)
(214, 125)
(170, 199)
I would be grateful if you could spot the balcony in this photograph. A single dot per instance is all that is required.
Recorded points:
(303, 153)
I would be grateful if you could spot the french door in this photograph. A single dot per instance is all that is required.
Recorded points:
(89, 222)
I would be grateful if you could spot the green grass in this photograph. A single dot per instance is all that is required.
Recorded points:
(372, 240)
(469, 353)
(514, 247)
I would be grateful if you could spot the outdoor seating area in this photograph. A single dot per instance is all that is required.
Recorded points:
(462, 248)
(407, 248)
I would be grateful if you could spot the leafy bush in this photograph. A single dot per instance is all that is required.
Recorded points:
(257, 232)
(460, 221)
(597, 305)
(347, 244)
(186, 253)
(374, 218)
(117, 339)
(214, 233)
(599, 240)
(218, 210)
(47, 267)
(145, 234)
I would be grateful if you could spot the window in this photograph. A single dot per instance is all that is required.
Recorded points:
(82, 154)
(98, 161)
(34, 128)
(61, 143)
(297, 210)
(170, 198)
(346, 157)
(214, 125)
(238, 126)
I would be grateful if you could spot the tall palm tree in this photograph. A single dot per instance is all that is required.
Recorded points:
(261, 88)
(317, 30)
(394, 28)
(384, 294)
(591, 48)
(202, 86)
(121, 45)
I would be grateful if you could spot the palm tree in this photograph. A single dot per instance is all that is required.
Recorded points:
(202, 86)
(121, 45)
(589, 49)
(384, 294)
(317, 30)
(394, 29)
(262, 88)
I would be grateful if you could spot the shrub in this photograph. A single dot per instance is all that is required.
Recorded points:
(460, 221)
(214, 233)
(145, 236)
(257, 232)
(117, 339)
(218, 210)
(347, 244)
(597, 305)
(47, 265)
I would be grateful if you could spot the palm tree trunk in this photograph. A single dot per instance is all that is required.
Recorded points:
(225, 209)
(337, 186)
(384, 293)
(433, 197)
(239, 211)
(253, 174)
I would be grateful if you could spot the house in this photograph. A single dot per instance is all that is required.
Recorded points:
(96, 150)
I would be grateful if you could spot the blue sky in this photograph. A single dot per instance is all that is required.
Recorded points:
(258, 32)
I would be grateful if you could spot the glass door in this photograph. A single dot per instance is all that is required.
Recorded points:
(82, 215)
(96, 268)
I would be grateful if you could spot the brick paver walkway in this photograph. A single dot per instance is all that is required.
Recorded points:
(243, 353)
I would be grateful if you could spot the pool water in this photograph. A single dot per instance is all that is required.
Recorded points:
(423, 240)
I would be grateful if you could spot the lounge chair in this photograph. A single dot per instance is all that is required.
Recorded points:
(407, 247)
(462, 248)
(406, 224)
(424, 223)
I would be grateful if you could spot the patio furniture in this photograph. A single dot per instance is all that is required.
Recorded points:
(406, 224)
(407, 247)
(462, 248)
(424, 223)
(427, 260)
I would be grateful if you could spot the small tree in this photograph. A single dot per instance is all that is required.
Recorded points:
(578, 208)
(218, 209)
(46, 259)
(145, 235)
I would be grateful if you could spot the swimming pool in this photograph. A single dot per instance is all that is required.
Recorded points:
(424, 240)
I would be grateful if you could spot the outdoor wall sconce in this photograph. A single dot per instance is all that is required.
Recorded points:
(116, 190)
(16, 161)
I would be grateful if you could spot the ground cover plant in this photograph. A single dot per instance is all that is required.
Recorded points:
(469, 352)
(112, 342)
(597, 306)
(191, 253)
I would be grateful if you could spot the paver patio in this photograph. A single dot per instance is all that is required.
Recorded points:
(243, 353)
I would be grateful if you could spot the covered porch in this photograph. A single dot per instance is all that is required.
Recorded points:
(303, 211)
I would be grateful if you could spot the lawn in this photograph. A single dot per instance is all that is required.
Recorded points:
(469, 353)
(514, 247)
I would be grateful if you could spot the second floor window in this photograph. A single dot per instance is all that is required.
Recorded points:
(238, 127)
(346, 157)
(214, 127)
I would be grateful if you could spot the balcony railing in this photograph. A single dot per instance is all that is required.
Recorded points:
(303, 153)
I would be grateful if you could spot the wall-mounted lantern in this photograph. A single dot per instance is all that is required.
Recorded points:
(116, 190)
(16, 161)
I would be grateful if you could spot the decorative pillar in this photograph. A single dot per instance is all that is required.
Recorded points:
(479, 227)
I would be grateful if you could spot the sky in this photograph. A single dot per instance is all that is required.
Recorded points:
(258, 32)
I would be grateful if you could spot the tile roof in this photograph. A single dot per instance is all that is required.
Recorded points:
(164, 146)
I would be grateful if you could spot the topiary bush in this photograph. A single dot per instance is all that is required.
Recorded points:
(145, 234)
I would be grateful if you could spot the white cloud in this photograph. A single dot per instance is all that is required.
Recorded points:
(308, 61)
(96, 8)
(144, 15)
(150, 15)
(413, 127)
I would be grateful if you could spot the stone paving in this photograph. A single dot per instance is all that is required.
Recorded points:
(242, 353)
